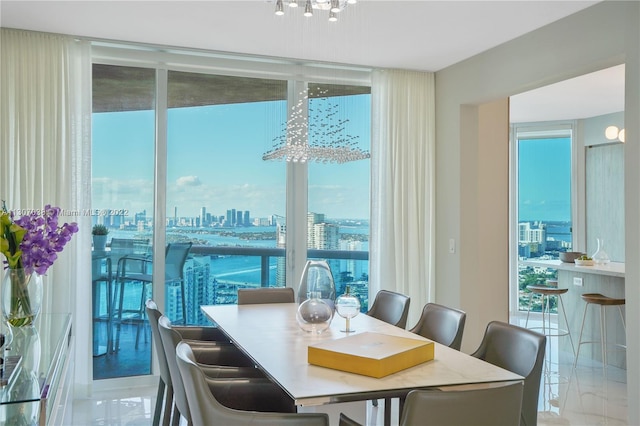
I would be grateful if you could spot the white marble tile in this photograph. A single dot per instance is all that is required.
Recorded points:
(131, 407)
(588, 395)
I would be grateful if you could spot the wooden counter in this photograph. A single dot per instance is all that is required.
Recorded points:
(606, 279)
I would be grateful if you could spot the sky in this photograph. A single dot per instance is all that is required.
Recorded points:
(544, 179)
(215, 161)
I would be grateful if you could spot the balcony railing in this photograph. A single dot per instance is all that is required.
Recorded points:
(266, 253)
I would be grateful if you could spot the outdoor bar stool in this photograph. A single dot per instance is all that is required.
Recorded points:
(546, 292)
(602, 301)
(101, 273)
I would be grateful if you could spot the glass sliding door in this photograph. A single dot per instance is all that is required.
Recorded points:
(544, 185)
(221, 195)
(338, 192)
(122, 190)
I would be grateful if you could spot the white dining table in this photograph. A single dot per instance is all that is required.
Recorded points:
(269, 334)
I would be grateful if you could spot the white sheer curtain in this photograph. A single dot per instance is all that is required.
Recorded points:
(45, 129)
(403, 156)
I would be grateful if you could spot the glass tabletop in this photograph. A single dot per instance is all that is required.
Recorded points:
(37, 351)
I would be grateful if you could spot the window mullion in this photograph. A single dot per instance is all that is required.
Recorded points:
(297, 179)
(160, 183)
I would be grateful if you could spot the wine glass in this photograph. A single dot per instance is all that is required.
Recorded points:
(347, 306)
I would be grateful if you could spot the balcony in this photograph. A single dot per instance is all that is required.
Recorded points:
(206, 287)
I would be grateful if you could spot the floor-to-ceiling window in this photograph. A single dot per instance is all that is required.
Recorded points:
(338, 195)
(122, 162)
(544, 203)
(221, 195)
(216, 189)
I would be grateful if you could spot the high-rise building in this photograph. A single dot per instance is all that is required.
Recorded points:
(173, 298)
(281, 238)
(528, 234)
(238, 218)
(140, 217)
(203, 216)
(354, 267)
(533, 237)
(199, 289)
(246, 220)
(323, 236)
(312, 219)
(117, 220)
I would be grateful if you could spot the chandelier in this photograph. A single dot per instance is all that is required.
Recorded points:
(325, 140)
(310, 6)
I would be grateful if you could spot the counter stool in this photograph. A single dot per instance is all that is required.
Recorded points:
(603, 302)
(101, 273)
(547, 292)
(133, 274)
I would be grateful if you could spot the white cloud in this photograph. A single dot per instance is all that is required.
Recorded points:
(189, 181)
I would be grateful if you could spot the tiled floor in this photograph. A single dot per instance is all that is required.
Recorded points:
(587, 396)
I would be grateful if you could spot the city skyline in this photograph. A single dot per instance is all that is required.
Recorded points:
(117, 217)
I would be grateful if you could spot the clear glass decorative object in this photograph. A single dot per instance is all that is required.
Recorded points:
(21, 297)
(6, 337)
(26, 383)
(316, 297)
(347, 306)
(600, 256)
(317, 281)
(314, 315)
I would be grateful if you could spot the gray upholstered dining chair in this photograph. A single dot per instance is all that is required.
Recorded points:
(441, 324)
(204, 336)
(248, 296)
(520, 351)
(241, 387)
(165, 387)
(497, 405)
(390, 307)
(205, 409)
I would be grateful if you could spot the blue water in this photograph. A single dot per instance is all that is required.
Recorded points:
(239, 269)
(559, 232)
(243, 269)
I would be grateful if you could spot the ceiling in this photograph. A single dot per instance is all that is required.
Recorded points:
(589, 95)
(416, 35)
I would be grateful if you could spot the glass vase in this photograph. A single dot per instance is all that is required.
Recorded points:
(316, 297)
(600, 256)
(317, 281)
(21, 297)
(314, 315)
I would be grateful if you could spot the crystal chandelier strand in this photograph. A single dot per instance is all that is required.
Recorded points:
(323, 142)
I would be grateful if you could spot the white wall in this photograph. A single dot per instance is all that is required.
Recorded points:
(604, 186)
(603, 35)
(485, 192)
